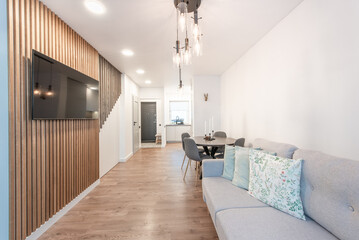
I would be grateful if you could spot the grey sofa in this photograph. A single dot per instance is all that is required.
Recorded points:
(329, 191)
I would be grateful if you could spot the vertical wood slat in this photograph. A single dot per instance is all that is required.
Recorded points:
(27, 117)
(51, 162)
(110, 88)
(11, 121)
(17, 123)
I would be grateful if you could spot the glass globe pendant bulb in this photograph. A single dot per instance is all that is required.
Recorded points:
(50, 92)
(196, 31)
(187, 58)
(37, 89)
(195, 26)
(187, 53)
(182, 15)
(198, 47)
(177, 54)
(178, 59)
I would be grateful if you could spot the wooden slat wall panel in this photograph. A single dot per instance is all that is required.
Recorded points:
(110, 88)
(51, 161)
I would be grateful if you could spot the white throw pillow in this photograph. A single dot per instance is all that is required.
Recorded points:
(276, 182)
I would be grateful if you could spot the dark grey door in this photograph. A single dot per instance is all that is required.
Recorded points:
(148, 122)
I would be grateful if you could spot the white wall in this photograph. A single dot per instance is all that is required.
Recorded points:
(300, 83)
(154, 95)
(110, 140)
(204, 110)
(129, 89)
(172, 93)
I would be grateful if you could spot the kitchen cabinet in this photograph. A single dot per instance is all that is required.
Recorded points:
(174, 132)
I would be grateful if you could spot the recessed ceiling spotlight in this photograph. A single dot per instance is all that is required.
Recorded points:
(95, 6)
(127, 52)
(140, 71)
(148, 82)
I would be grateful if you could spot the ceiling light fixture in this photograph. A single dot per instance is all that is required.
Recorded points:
(95, 6)
(50, 92)
(148, 82)
(37, 90)
(182, 54)
(180, 78)
(182, 14)
(127, 52)
(140, 71)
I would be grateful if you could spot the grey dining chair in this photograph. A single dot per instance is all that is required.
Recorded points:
(183, 136)
(193, 154)
(239, 142)
(221, 134)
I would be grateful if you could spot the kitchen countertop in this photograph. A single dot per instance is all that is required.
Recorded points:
(171, 125)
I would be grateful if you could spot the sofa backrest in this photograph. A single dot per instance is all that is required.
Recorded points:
(282, 149)
(330, 192)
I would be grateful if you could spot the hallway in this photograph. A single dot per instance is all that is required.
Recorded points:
(144, 198)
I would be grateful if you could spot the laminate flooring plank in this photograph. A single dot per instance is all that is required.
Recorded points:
(144, 198)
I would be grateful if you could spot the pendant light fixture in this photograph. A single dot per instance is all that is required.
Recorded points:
(182, 54)
(187, 51)
(37, 90)
(197, 46)
(49, 92)
(177, 55)
(195, 27)
(182, 14)
(196, 34)
(180, 78)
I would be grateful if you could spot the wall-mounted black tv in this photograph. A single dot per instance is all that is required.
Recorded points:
(61, 92)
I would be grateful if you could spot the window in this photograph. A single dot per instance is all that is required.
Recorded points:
(180, 112)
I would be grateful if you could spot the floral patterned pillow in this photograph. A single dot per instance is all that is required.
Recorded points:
(276, 182)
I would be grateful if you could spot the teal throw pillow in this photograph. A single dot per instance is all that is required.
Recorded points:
(241, 167)
(228, 168)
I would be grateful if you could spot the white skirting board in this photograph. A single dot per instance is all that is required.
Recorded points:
(126, 158)
(44, 227)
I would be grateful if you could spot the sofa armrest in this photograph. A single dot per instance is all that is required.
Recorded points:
(212, 167)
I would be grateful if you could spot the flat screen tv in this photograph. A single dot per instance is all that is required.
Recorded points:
(61, 92)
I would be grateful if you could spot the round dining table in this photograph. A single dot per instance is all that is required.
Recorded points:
(216, 143)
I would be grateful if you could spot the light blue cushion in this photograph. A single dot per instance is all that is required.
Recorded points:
(241, 166)
(228, 168)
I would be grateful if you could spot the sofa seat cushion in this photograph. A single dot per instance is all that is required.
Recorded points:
(267, 224)
(221, 194)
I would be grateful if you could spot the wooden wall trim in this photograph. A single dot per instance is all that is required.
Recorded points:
(51, 161)
(110, 88)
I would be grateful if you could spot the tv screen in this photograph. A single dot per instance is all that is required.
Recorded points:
(61, 92)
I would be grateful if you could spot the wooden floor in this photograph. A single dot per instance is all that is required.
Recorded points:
(144, 198)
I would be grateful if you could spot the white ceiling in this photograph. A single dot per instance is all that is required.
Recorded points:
(230, 28)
